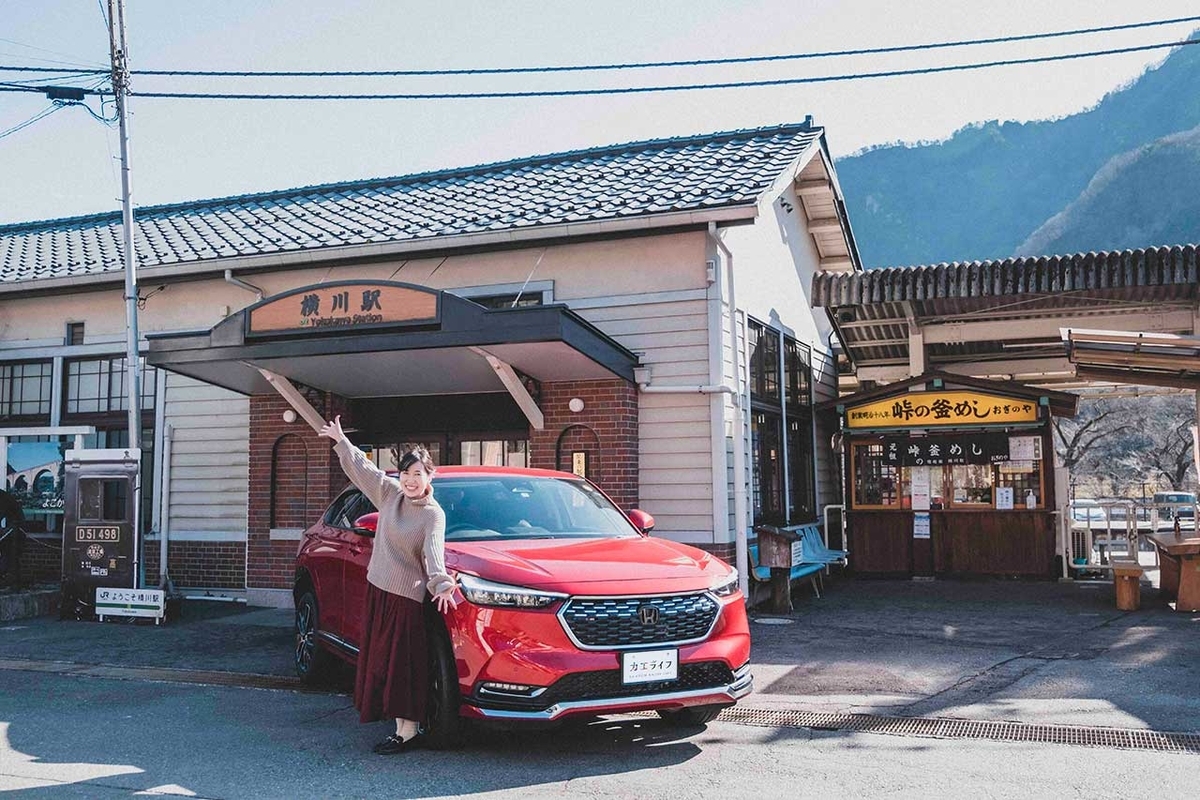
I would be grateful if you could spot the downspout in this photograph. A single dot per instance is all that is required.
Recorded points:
(241, 284)
(741, 544)
(164, 520)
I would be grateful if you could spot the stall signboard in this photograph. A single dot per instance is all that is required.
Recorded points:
(921, 525)
(963, 448)
(920, 488)
(941, 409)
(34, 476)
(347, 306)
(1004, 498)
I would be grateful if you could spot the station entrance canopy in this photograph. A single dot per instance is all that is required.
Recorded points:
(375, 339)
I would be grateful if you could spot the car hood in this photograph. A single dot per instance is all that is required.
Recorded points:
(632, 565)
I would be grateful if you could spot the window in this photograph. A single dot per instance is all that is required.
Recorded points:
(784, 490)
(25, 390)
(74, 333)
(764, 362)
(495, 453)
(97, 386)
(512, 300)
(766, 472)
(880, 484)
(104, 499)
(876, 483)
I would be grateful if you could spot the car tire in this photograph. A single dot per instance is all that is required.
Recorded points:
(314, 665)
(696, 715)
(443, 726)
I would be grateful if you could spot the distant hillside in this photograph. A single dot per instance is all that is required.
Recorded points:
(984, 191)
(1147, 196)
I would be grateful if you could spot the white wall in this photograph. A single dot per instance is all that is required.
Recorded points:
(210, 457)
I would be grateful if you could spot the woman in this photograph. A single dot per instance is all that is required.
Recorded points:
(408, 558)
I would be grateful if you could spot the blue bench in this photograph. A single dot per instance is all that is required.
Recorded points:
(815, 558)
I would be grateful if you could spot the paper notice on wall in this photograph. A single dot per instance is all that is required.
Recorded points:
(921, 525)
(1023, 448)
(920, 488)
(1004, 498)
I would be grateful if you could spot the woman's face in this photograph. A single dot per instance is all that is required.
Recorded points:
(414, 481)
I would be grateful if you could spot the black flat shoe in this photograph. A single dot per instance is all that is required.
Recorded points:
(393, 744)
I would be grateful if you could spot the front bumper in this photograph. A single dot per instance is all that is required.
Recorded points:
(725, 695)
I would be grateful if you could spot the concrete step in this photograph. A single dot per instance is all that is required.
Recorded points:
(26, 603)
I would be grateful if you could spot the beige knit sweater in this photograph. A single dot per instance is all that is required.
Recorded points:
(409, 553)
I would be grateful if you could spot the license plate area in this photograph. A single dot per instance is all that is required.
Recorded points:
(646, 666)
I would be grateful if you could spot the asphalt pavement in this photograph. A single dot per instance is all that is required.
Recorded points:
(1019, 651)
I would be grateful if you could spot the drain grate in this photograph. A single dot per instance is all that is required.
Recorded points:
(943, 728)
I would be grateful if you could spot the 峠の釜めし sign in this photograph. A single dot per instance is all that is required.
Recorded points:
(933, 409)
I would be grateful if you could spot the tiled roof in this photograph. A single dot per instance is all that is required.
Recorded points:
(621, 181)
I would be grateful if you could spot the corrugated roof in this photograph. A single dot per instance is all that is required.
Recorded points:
(637, 179)
(1110, 271)
(1002, 317)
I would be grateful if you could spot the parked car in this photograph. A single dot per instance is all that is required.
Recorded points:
(567, 607)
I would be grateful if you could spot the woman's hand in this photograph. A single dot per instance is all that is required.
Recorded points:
(444, 600)
(333, 430)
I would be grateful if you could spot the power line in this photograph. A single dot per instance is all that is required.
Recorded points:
(602, 67)
(38, 116)
(17, 87)
(656, 64)
(669, 88)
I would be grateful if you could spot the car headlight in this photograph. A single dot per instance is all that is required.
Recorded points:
(488, 593)
(726, 586)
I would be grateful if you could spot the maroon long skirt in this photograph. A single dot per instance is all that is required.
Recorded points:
(392, 680)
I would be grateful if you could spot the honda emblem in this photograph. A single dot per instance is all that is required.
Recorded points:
(648, 615)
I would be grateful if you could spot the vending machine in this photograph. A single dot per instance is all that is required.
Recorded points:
(101, 494)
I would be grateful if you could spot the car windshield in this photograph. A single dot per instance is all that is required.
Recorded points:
(505, 506)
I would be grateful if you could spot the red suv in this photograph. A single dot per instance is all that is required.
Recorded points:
(567, 607)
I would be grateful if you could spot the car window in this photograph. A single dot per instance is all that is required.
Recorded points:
(526, 507)
(341, 513)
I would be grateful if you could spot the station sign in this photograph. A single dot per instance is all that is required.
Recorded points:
(941, 409)
(343, 306)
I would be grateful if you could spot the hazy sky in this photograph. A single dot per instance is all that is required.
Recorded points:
(64, 165)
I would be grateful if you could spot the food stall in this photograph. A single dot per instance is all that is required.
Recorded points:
(948, 475)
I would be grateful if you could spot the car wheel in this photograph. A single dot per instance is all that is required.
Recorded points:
(697, 715)
(313, 664)
(443, 726)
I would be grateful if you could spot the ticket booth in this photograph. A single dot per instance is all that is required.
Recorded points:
(100, 526)
(950, 475)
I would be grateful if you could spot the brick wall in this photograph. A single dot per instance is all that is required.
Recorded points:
(293, 475)
(41, 560)
(209, 565)
(606, 429)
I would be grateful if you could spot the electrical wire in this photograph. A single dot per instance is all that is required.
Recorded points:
(615, 90)
(17, 87)
(38, 116)
(657, 64)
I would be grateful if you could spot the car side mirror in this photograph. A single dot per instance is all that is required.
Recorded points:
(367, 523)
(641, 520)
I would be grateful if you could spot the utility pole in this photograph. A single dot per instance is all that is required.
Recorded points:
(118, 49)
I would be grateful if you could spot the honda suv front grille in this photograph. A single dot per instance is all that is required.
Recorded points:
(606, 684)
(621, 622)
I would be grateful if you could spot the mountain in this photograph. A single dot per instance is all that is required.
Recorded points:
(1143, 197)
(983, 192)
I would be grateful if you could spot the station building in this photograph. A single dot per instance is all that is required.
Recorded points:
(639, 314)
